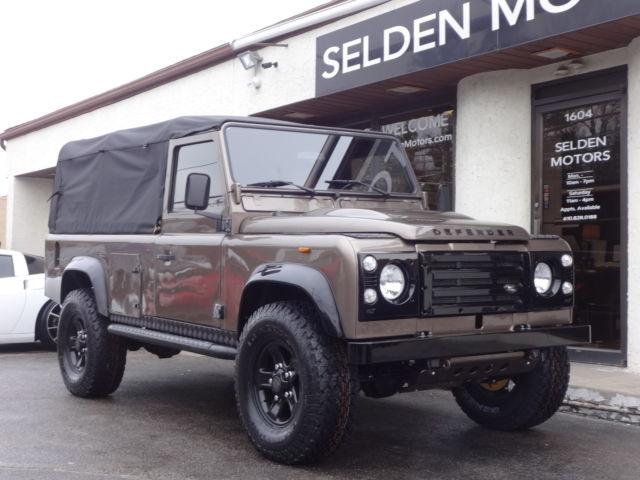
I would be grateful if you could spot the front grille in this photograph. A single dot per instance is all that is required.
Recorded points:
(468, 283)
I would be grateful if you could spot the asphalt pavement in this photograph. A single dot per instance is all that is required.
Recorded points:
(176, 419)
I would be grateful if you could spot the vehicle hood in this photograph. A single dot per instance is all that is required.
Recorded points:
(415, 225)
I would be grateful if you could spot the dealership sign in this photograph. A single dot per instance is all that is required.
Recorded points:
(428, 33)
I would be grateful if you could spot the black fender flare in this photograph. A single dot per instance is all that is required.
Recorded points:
(303, 277)
(94, 270)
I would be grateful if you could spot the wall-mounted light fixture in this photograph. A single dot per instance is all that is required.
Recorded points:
(561, 71)
(250, 59)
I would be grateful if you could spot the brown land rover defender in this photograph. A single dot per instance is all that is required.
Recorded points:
(308, 255)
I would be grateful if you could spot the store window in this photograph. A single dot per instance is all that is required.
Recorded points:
(428, 141)
(579, 197)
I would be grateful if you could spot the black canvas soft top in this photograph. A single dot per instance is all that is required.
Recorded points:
(114, 183)
(158, 132)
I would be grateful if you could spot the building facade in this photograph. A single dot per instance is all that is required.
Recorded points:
(522, 111)
(3, 222)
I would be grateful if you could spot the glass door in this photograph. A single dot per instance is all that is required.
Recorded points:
(578, 196)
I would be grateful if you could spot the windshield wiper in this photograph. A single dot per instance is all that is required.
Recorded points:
(346, 183)
(281, 183)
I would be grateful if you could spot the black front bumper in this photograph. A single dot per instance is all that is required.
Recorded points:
(383, 351)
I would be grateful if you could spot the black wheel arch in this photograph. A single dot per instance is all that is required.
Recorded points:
(289, 281)
(86, 272)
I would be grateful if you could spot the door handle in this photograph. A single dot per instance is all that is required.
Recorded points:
(166, 257)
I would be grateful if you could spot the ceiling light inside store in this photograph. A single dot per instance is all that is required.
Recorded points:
(554, 53)
(576, 65)
(299, 115)
(406, 89)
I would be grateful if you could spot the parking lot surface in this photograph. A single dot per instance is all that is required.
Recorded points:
(176, 419)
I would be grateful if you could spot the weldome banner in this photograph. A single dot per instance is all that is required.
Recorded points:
(429, 33)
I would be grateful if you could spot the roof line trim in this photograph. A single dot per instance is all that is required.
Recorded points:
(314, 17)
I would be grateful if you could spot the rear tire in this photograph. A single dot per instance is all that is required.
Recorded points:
(47, 325)
(521, 402)
(92, 361)
(294, 389)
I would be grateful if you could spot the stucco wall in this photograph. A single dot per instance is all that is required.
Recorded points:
(28, 213)
(493, 147)
(633, 178)
(3, 222)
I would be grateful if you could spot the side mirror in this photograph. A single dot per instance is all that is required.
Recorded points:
(196, 196)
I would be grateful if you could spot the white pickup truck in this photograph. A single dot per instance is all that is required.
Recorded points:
(26, 315)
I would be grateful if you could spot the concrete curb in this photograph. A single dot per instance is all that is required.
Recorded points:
(602, 404)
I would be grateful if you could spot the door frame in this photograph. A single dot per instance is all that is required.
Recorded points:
(185, 230)
(591, 91)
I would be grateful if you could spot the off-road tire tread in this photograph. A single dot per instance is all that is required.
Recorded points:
(546, 387)
(103, 375)
(324, 431)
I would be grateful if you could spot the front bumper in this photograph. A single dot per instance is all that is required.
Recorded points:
(398, 350)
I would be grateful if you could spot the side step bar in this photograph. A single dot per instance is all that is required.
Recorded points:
(169, 340)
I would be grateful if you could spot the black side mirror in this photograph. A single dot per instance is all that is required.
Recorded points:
(196, 196)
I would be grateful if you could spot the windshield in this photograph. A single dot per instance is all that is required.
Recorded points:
(319, 161)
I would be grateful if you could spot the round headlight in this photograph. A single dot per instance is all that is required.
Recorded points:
(566, 260)
(567, 288)
(369, 264)
(392, 282)
(542, 278)
(370, 296)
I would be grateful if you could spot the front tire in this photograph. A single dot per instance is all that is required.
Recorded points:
(521, 402)
(294, 389)
(92, 361)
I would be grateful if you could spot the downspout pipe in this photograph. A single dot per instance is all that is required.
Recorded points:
(315, 18)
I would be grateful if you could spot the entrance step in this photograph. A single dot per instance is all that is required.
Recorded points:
(608, 393)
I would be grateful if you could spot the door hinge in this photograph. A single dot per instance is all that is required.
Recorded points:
(226, 225)
(218, 311)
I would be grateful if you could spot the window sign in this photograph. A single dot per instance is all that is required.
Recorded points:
(581, 200)
(428, 141)
(582, 152)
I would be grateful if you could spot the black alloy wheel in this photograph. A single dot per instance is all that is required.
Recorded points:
(74, 347)
(295, 390)
(47, 325)
(276, 386)
(52, 322)
(92, 361)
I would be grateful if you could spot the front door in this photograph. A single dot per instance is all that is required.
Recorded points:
(188, 257)
(12, 295)
(578, 195)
